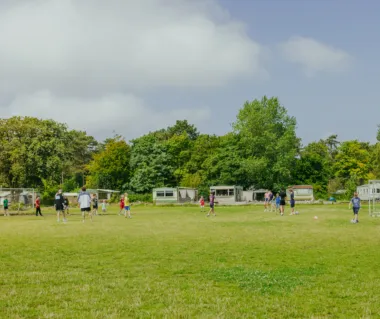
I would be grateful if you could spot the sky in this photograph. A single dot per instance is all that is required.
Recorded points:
(130, 67)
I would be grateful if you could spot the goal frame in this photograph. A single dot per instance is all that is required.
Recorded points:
(18, 191)
(373, 198)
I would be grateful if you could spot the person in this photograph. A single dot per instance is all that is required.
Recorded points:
(282, 201)
(292, 202)
(104, 206)
(38, 206)
(95, 205)
(278, 200)
(127, 206)
(59, 206)
(66, 204)
(266, 201)
(355, 203)
(84, 200)
(212, 204)
(121, 204)
(5, 204)
(270, 203)
(202, 204)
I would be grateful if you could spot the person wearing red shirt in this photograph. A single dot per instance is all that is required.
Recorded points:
(38, 206)
(121, 205)
(202, 204)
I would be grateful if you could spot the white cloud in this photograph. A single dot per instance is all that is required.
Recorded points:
(109, 114)
(74, 61)
(116, 44)
(315, 56)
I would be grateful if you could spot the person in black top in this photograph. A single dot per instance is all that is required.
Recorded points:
(59, 203)
(282, 201)
(95, 205)
(292, 201)
(66, 204)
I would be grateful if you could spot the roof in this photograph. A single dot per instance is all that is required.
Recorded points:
(224, 187)
(4, 194)
(102, 190)
(259, 191)
(301, 187)
(70, 194)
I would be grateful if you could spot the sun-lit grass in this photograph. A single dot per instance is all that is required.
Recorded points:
(173, 262)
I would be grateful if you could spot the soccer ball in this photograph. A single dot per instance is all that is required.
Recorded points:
(315, 217)
(297, 213)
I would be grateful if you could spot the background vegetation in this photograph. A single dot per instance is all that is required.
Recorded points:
(261, 151)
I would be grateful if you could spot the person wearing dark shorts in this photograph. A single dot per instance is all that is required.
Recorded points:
(292, 202)
(59, 205)
(282, 201)
(5, 204)
(38, 206)
(212, 204)
(84, 201)
(355, 203)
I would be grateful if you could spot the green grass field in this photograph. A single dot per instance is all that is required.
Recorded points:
(173, 262)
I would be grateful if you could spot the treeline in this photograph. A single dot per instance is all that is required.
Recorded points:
(261, 151)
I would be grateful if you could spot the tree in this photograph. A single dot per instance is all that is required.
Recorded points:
(269, 142)
(353, 160)
(33, 150)
(110, 167)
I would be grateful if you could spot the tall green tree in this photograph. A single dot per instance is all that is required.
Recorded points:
(269, 142)
(109, 169)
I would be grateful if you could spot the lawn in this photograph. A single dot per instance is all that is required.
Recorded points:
(173, 262)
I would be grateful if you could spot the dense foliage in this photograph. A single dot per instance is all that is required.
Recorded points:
(262, 151)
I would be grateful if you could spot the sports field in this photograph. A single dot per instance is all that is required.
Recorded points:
(173, 262)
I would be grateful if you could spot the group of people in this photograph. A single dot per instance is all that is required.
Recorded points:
(125, 206)
(277, 203)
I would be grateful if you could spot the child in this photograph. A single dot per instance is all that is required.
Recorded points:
(355, 202)
(5, 204)
(282, 202)
(38, 206)
(292, 202)
(278, 200)
(202, 203)
(212, 205)
(66, 205)
(127, 206)
(104, 204)
(95, 205)
(121, 204)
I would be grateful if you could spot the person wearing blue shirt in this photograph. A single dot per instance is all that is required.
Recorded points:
(355, 203)
(278, 200)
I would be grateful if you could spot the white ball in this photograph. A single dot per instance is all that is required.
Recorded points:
(315, 217)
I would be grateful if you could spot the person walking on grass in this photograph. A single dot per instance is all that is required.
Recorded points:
(355, 203)
(282, 201)
(121, 204)
(66, 204)
(59, 206)
(84, 201)
(202, 204)
(37, 203)
(212, 204)
(104, 206)
(266, 201)
(95, 205)
(270, 203)
(5, 204)
(127, 206)
(278, 201)
(292, 202)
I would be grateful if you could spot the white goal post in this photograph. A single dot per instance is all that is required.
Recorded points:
(374, 198)
(18, 197)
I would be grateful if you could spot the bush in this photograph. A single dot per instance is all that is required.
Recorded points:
(146, 198)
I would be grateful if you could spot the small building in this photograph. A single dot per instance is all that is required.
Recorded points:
(368, 191)
(248, 196)
(165, 195)
(301, 192)
(228, 194)
(259, 194)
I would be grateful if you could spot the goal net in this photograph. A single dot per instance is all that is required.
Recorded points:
(18, 198)
(374, 197)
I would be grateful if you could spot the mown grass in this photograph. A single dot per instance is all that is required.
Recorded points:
(173, 262)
